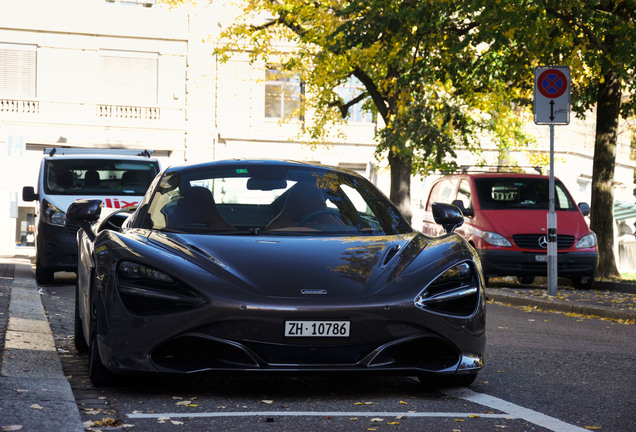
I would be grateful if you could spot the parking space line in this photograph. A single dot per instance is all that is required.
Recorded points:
(513, 410)
(317, 414)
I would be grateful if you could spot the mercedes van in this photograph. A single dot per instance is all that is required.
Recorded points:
(118, 177)
(505, 219)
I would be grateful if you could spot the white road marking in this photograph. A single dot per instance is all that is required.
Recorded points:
(317, 414)
(509, 410)
(513, 410)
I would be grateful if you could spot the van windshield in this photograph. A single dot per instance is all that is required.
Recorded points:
(98, 176)
(520, 193)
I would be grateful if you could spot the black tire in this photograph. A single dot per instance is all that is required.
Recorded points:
(459, 380)
(525, 280)
(581, 283)
(43, 275)
(98, 373)
(78, 328)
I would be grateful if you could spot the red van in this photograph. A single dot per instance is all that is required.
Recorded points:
(506, 221)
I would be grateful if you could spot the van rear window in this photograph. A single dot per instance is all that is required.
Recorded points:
(98, 176)
(520, 193)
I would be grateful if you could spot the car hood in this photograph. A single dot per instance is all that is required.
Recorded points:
(509, 222)
(291, 266)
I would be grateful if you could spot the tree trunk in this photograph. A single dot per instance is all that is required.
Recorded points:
(400, 193)
(602, 206)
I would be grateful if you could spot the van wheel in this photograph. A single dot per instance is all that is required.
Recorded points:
(43, 276)
(581, 283)
(525, 280)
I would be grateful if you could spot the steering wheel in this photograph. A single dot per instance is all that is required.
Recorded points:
(333, 212)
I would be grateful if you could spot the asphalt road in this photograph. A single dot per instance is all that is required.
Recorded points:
(545, 371)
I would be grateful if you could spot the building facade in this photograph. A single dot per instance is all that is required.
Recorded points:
(138, 75)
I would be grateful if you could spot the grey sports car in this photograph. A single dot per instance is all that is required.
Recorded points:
(257, 265)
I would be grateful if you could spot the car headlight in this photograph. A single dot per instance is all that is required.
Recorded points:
(131, 270)
(587, 241)
(145, 290)
(495, 239)
(52, 215)
(454, 292)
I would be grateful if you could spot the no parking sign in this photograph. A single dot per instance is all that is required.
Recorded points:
(552, 95)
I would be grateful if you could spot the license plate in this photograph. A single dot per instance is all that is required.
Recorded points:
(317, 328)
(541, 258)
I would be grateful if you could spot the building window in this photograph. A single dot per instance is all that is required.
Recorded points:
(282, 94)
(349, 91)
(18, 71)
(129, 77)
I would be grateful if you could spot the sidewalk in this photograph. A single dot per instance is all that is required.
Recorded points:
(35, 394)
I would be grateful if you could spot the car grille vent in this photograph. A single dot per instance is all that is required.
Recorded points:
(390, 254)
(538, 241)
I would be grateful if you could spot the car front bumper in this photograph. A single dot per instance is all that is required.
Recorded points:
(515, 263)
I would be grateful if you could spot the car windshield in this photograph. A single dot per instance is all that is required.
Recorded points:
(98, 176)
(520, 193)
(269, 199)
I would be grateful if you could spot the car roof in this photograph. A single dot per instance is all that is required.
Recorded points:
(475, 175)
(257, 162)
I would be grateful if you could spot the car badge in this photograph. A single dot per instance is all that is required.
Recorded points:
(313, 291)
(543, 242)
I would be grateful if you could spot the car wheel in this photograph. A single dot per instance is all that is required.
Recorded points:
(525, 280)
(459, 380)
(42, 275)
(78, 327)
(98, 373)
(581, 283)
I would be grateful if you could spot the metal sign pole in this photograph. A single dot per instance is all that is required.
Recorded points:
(552, 106)
(552, 225)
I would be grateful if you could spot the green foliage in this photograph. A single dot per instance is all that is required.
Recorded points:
(590, 36)
(418, 63)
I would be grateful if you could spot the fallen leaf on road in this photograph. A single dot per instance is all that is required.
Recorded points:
(182, 403)
(377, 420)
(393, 423)
(36, 406)
(267, 401)
(404, 403)
(593, 427)
(11, 428)
(363, 403)
(176, 423)
(106, 422)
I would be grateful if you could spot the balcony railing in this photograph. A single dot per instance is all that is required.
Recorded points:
(19, 106)
(128, 112)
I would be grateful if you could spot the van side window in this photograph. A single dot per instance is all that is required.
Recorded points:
(443, 192)
(464, 194)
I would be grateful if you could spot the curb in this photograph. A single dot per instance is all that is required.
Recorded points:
(562, 306)
(35, 394)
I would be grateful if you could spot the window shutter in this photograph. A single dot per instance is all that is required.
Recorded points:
(18, 71)
(129, 77)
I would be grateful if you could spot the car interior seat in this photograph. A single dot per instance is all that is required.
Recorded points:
(197, 209)
(91, 179)
(302, 200)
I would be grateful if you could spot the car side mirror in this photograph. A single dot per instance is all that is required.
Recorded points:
(81, 214)
(465, 211)
(28, 194)
(448, 216)
(585, 208)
